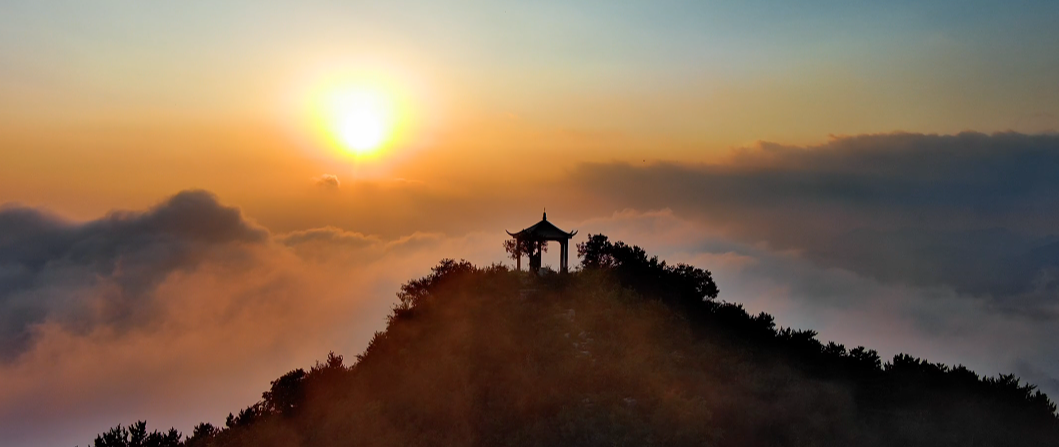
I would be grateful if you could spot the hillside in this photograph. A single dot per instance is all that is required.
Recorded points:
(626, 351)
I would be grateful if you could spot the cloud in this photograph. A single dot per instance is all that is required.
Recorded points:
(183, 312)
(328, 181)
(935, 322)
(940, 246)
(317, 241)
(972, 211)
(103, 272)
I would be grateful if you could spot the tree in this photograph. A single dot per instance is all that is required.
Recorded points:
(412, 292)
(202, 435)
(136, 435)
(596, 252)
(680, 283)
(286, 394)
(516, 248)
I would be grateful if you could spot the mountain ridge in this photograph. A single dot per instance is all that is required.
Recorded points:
(627, 350)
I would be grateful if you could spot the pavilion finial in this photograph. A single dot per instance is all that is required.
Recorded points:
(545, 214)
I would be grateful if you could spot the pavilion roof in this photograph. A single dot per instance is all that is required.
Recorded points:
(543, 231)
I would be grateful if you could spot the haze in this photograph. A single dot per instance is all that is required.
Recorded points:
(188, 213)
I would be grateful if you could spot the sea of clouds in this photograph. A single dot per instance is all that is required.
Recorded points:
(939, 246)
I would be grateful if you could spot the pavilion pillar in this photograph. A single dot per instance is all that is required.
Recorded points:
(564, 251)
(562, 254)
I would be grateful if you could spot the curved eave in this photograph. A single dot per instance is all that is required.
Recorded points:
(553, 238)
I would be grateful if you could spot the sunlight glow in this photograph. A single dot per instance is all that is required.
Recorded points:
(367, 115)
(361, 119)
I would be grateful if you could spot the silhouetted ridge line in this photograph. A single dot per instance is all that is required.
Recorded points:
(627, 350)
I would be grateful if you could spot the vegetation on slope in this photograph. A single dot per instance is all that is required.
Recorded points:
(626, 351)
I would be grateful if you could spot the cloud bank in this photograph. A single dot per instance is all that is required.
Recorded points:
(976, 212)
(936, 322)
(104, 273)
(180, 313)
(939, 246)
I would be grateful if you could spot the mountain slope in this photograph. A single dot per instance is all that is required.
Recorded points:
(627, 351)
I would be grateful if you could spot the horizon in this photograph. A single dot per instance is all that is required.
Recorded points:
(197, 198)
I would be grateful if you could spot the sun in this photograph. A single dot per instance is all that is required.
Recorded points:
(356, 115)
(361, 119)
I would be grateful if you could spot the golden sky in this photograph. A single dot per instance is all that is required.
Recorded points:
(115, 105)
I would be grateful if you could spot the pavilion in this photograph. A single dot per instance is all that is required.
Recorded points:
(540, 233)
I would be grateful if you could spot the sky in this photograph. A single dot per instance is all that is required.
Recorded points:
(184, 217)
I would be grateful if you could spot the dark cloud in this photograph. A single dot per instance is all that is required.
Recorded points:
(103, 271)
(973, 211)
(1033, 374)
